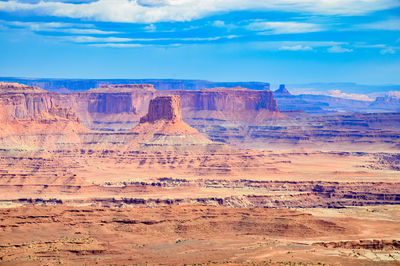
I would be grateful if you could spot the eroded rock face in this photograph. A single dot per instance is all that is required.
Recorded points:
(119, 107)
(21, 101)
(163, 108)
(57, 113)
(228, 100)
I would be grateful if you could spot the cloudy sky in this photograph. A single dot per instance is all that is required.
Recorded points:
(278, 41)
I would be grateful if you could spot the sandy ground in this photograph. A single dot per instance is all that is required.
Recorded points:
(76, 207)
(193, 234)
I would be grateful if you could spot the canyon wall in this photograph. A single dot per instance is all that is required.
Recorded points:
(21, 101)
(119, 107)
(236, 99)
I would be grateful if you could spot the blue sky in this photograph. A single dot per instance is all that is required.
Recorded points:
(277, 41)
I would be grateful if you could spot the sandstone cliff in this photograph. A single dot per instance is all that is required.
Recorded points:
(119, 107)
(231, 104)
(55, 128)
(21, 101)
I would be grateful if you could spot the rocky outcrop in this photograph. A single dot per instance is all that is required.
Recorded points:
(163, 108)
(57, 113)
(282, 91)
(163, 125)
(362, 244)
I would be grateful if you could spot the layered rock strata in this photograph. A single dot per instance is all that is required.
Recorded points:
(119, 107)
(21, 101)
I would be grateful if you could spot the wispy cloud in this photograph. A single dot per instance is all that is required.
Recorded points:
(91, 39)
(149, 11)
(339, 49)
(287, 27)
(72, 28)
(384, 48)
(297, 47)
(110, 40)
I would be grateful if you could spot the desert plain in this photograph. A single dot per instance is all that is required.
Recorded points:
(128, 174)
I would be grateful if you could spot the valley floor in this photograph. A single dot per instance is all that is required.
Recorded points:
(49, 235)
(215, 205)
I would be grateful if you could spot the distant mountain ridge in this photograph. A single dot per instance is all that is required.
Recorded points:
(65, 85)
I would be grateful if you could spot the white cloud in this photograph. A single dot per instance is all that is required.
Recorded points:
(91, 39)
(149, 11)
(125, 42)
(286, 27)
(339, 49)
(352, 96)
(219, 23)
(297, 47)
(73, 28)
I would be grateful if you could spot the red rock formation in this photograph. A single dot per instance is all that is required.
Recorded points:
(121, 106)
(228, 99)
(163, 125)
(21, 101)
(163, 108)
(232, 104)
(55, 114)
(58, 127)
